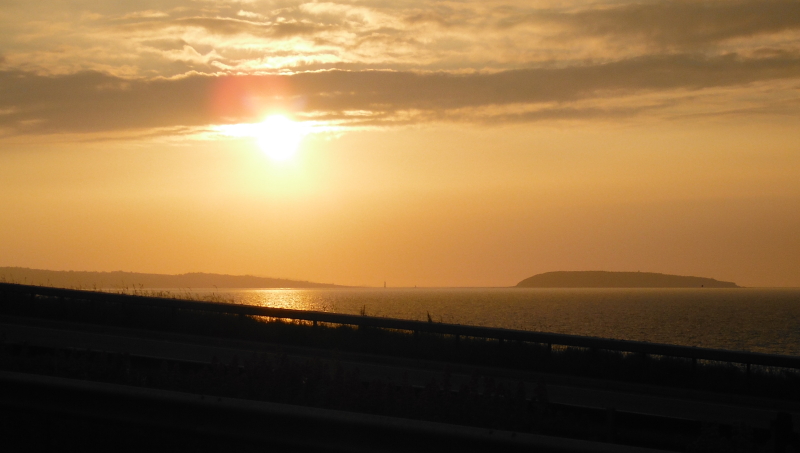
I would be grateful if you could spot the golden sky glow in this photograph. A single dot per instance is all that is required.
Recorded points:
(421, 143)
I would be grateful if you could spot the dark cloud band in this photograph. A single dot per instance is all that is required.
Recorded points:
(91, 101)
(684, 24)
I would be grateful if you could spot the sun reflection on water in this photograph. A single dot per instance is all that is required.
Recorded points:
(295, 299)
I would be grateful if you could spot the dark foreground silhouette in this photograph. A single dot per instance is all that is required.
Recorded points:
(76, 385)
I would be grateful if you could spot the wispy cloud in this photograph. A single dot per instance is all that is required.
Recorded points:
(254, 36)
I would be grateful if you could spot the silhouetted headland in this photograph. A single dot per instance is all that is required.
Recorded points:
(119, 279)
(604, 279)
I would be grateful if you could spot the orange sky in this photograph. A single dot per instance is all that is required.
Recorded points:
(445, 143)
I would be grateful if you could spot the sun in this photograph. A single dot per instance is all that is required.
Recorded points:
(278, 137)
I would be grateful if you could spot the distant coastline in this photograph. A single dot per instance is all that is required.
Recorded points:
(119, 279)
(604, 279)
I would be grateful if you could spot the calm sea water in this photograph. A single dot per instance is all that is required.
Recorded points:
(748, 319)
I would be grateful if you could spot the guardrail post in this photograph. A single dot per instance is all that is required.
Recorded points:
(548, 357)
(611, 424)
(782, 431)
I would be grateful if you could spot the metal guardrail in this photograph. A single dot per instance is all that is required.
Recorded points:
(640, 347)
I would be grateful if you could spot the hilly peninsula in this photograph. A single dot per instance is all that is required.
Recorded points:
(603, 279)
(119, 279)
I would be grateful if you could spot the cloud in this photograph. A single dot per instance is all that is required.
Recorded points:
(683, 24)
(91, 101)
(138, 38)
(229, 26)
(148, 14)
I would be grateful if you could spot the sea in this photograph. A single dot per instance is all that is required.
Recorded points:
(747, 319)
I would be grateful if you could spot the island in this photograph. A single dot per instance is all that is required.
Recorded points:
(604, 279)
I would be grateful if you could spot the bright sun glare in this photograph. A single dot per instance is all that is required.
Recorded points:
(279, 137)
